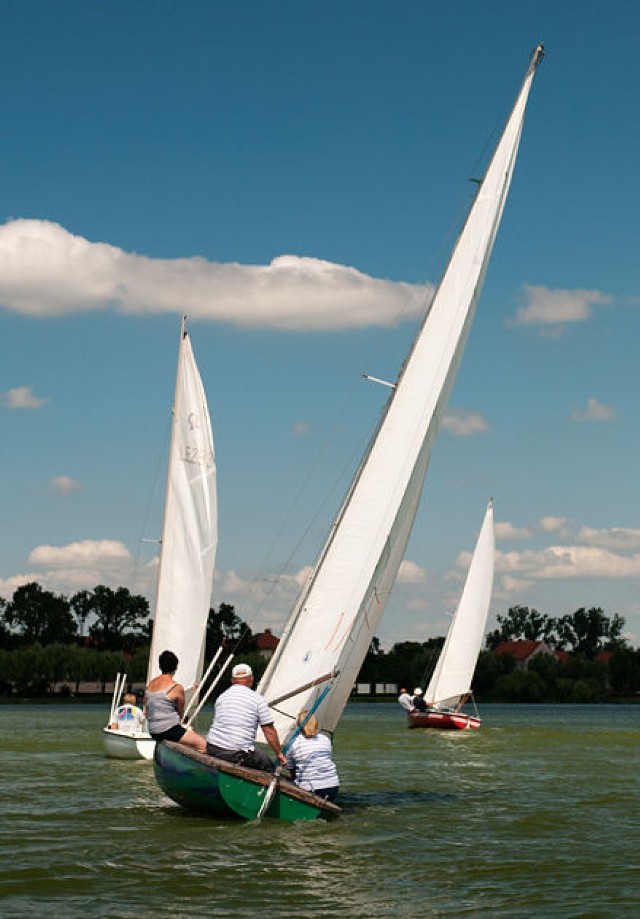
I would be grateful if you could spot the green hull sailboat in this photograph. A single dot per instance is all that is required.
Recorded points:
(221, 789)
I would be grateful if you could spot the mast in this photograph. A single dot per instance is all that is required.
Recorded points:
(339, 610)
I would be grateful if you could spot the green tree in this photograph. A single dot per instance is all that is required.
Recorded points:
(40, 616)
(225, 627)
(522, 624)
(119, 616)
(589, 631)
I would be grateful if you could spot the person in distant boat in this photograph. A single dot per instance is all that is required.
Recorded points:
(165, 706)
(129, 719)
(309, 760)
(418, 701)
(405, 700)
(238, 713)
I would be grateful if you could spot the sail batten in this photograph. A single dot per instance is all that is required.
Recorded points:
(190, 528)
(339, 611)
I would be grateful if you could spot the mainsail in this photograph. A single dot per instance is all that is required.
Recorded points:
(190, 528)
(451, 679)
(339, 609)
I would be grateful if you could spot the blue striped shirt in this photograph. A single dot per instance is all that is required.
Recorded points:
(311, 759)
(238, 712)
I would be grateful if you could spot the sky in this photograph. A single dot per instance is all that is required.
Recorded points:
(292, 175)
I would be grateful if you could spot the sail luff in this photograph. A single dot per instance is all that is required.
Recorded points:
(337, 615)
(452, 676)
(189, 533)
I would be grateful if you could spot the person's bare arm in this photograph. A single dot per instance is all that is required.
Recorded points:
(271, 736)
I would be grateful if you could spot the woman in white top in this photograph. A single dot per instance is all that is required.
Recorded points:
(309, 760)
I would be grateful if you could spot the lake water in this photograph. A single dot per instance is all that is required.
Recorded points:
(536, 814)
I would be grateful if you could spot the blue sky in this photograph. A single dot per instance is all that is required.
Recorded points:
(291, 175)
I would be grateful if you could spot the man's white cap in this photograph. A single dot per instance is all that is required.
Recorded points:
(241, 670)
(417, 691)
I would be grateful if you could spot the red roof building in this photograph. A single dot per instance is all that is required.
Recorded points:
(523, 652)
(267, 643)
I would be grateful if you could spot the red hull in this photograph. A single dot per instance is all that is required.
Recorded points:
(445, 721)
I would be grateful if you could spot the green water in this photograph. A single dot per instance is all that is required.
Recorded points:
(536, 814)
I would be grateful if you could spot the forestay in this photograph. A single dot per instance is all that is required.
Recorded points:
(339, 609)
(189, 534)
(451, 679)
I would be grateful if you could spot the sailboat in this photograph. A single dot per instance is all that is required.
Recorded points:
(187, 548)
(337, 613)
(450, 684)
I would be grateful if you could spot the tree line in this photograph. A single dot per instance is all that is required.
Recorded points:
(48, 638)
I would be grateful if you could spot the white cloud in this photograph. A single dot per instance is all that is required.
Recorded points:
(551, 310)
(21, 397)
(47, 271)
(616, 538)
(64, 485)
(411, 573)
(506, 530)
(86, 554)
(462, 423)
(559, 525)
(595, 411)
(566, 562)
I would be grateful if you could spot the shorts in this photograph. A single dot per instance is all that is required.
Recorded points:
(175, 733)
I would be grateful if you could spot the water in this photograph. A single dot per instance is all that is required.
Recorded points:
(537, 814)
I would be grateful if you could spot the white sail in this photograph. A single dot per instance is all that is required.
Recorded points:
(339, 609)
(190, 528)
(451, 679)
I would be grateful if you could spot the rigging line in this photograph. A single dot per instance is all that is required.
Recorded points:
(161, 464)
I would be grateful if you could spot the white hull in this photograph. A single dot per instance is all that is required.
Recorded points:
(119, 745)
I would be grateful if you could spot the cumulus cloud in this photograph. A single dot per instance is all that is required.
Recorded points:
(64, 485)
(81, 566)
(88, 553)
(550, 310)
(47, 271)
(462, 423)
(618, 539)
(595, 411)
(559, 525)
(506, 530)
(410, 573)
(565, 562)
(21, 397)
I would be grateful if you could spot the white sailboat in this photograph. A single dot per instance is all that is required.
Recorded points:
(338, 611)
(450, 683)
(187, 550)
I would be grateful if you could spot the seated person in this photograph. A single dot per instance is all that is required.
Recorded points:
(418, 702)
(128, 717)
(165, 706)
(404, 700)
(309, 760)
(238, 713)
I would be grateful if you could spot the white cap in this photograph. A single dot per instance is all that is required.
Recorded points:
(417, 691)
(241, 670)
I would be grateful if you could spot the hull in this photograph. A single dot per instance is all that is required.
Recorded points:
(212, 786)
(118, 745)
(444, 721)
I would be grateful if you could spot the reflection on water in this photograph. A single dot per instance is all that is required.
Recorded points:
(533, 815)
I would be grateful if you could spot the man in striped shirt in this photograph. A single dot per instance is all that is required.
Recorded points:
(238, 713)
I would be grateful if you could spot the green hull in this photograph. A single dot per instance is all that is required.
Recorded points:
(207, 785)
